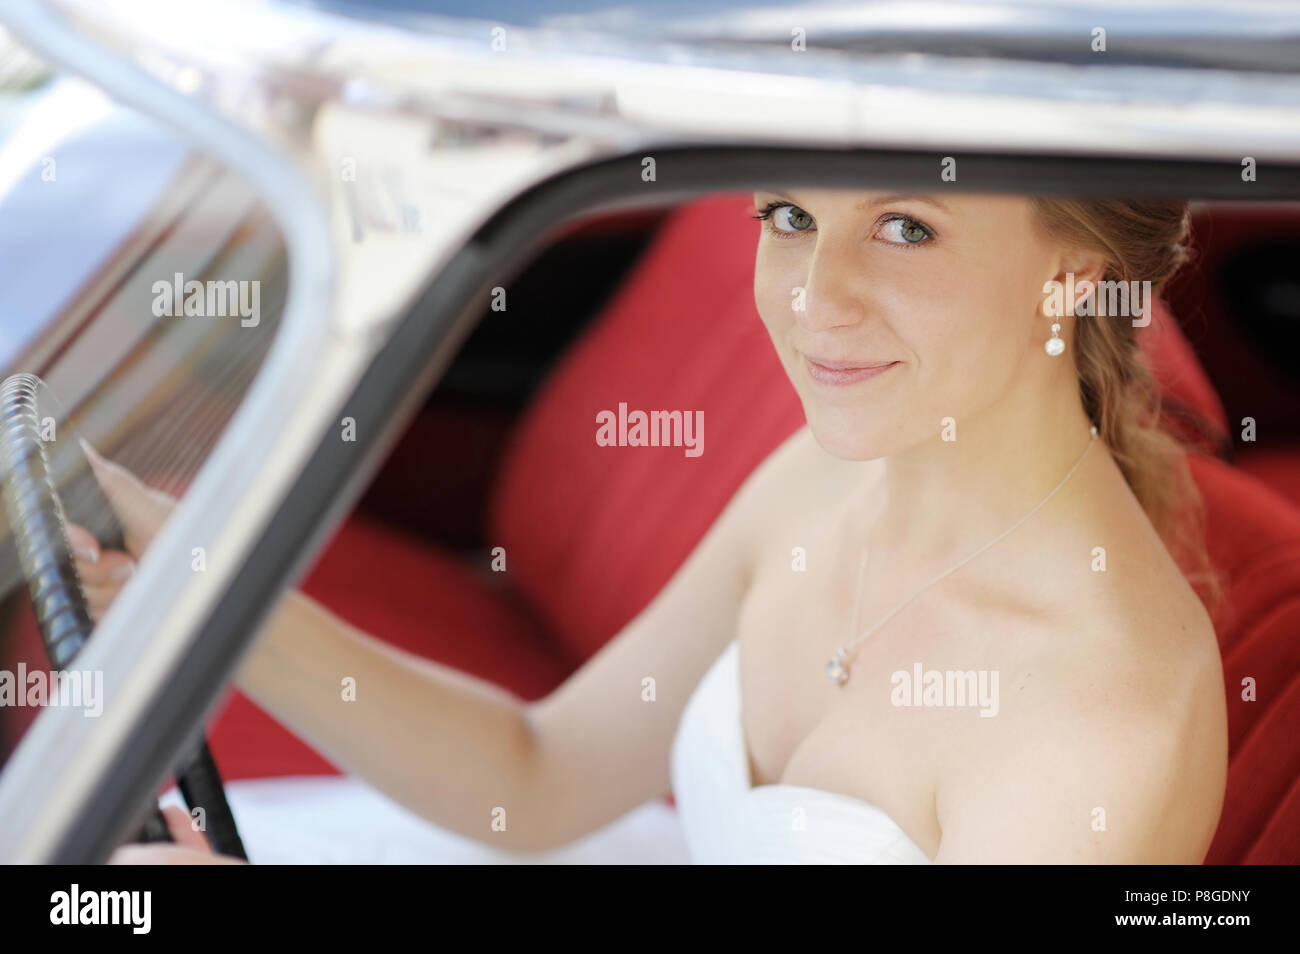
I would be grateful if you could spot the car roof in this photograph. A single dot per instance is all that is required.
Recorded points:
(1246, 35)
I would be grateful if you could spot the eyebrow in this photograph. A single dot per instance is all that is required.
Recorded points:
(882, 200)
(899, 197)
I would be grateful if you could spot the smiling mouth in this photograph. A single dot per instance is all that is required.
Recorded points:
(842, 373)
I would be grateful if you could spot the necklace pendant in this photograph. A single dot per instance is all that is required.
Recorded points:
(837, 669)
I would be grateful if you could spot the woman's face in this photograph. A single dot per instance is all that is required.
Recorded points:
(893, 312)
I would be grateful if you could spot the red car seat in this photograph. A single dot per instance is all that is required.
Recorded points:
(592, 533)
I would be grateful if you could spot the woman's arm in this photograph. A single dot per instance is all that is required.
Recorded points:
(470, 756)
(437, 741)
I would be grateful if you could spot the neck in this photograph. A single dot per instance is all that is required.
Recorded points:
(945, 497)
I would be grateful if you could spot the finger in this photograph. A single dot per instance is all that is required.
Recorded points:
(100, 598)
(84, 545)
(181, 826)
(112, 569)
(140, 509)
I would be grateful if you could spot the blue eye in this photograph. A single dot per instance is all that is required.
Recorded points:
(904, 230)
(784, 219)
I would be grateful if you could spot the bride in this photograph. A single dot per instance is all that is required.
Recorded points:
(949, 620)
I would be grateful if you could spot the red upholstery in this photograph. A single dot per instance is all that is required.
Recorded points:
(593, 533)
(571, 513)
(1278, 466)
(416, 598)
(1254, 540)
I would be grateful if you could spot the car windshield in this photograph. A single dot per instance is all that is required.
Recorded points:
(142, 284)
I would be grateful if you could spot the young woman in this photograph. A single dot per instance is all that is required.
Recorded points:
(991, 653)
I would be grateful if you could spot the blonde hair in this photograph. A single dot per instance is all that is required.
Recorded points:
(1141, 240)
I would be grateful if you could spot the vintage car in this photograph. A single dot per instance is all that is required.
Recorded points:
(350, 280)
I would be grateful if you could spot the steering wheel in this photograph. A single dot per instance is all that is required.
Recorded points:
(39, 530)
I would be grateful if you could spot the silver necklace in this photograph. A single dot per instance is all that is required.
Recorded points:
(837, 669)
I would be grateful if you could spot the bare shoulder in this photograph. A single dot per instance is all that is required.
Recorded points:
(1110, 745)
(1114, 748)
(1153, 731)
(1158, 696)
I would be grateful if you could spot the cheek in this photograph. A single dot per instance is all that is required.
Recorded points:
(775, 278)
(973, 341)
(948, 324)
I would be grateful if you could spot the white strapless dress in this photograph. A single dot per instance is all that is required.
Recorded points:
(728, 820)
(339, 819)
(720, 817)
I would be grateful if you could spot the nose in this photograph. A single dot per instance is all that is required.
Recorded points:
(833, 288)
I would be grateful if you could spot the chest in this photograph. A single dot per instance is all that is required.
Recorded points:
(874, 738)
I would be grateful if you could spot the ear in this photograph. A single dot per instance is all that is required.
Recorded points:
(1078, 273)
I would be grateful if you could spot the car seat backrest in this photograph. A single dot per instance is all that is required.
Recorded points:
(1253, 535)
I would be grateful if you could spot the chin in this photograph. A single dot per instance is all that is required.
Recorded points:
(850, 434)
(857, 421)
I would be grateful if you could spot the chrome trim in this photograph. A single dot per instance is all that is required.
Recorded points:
(1246, 34)
(881, 74)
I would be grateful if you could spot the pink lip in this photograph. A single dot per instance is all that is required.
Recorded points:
(841, 373)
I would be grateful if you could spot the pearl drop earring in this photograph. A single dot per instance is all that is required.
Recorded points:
(1056, 344)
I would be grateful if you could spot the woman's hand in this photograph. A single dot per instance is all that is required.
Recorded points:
(140, 510)
(190, 848)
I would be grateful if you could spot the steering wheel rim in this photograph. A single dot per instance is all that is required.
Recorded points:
(38, 525)
(39, 528)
